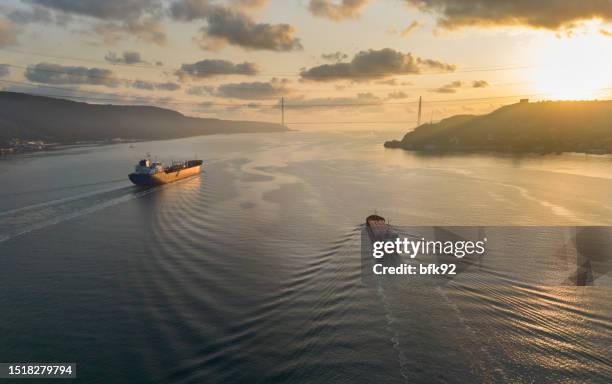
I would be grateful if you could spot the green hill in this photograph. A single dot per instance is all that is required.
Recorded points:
(552, 126)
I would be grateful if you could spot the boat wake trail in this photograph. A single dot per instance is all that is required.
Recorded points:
(392, 324)
(23, 220)
(488, 362)
(64, 188)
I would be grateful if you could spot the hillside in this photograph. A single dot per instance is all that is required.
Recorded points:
(552, 126)
(57, 120)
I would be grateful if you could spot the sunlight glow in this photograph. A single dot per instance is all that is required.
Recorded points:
(575, 67)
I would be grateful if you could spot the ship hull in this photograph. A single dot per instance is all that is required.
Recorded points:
(377, 228)
(160, 178)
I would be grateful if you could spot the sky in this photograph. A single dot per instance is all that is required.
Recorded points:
(336, 63)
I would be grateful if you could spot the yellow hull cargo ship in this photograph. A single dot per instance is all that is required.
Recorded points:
(147, 173)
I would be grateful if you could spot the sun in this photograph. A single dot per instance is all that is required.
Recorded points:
(574, 68)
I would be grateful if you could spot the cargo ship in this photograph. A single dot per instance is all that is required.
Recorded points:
(377, 227)
(379, 230)
(147, 173)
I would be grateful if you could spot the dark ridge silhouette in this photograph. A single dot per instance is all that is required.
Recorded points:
(58, 120)
(543, 127)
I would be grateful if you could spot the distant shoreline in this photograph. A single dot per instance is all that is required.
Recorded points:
(550, 127)
(28, 121)
(51, 147)
(493, 151)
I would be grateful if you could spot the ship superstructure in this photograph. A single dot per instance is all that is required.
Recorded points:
(150, 173)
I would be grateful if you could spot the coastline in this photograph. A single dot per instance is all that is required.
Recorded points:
(494, 151)
(98, 143)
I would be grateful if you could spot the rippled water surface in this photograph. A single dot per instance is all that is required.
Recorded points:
(251, 272)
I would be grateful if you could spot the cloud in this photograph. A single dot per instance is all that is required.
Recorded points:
(398, 95)
(37, 14)
(58, 74)
(117, 18)
(480, 84)
(345, 9)
(411, 27)
(448, 88)
(406, 31)
(8, 33)
(4, 70)
(335, 56)
(106, 9)
(128, 57)
(201, 90)
(374, 64)
(169, 86)
(152, 86)
(361, 99)
(547, 14)
(149, 29)
(249, 4)
(256, 90)
(188, 10)
(209, 68)
(231, 25)
(393, 82)
(141, 84)
(225, 26)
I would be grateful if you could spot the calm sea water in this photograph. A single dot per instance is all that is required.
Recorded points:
(251, 273)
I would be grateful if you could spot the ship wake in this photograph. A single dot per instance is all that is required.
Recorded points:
(18, 222)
